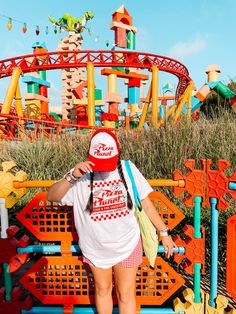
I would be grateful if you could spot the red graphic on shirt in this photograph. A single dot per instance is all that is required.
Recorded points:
(102, 150)
(109, 201)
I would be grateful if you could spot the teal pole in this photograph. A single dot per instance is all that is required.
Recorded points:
(232, 186)
(197, 234)
(76, 249)
(7, 280)
(214, 252)
(197, 217)
(197, 283)
(90, 310)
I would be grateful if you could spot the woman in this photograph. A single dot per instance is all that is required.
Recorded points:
(101, 194)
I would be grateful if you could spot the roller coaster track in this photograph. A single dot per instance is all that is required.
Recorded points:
(101, 58)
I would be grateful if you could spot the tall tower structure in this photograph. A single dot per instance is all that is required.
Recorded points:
(125, 38)
(36, 98)
(71, 77)
(125, 32)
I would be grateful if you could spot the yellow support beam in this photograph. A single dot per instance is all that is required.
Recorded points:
(19, 108)
(145, 108)
(155, 110)
(183, 100)
(189, 105)
(168, 113)
(11, 91)
(91, 100)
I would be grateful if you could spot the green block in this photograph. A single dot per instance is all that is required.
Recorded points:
(131, 40)
(35, 88)
(134, 124)
(118, 68)
(98, 94)
(30, 88)
(224, 91)
(42, 75)
(84, 131)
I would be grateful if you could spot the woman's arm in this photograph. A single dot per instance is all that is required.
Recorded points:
(60, 188)
(159, 225)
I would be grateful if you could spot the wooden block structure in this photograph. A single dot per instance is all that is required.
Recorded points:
(36, 98)
(71, 77)
(109, 120)
(203, 92)
(78, 113)
(212, 72)
(114, 99)
(125, 32)
(32, 108)
(134, 95)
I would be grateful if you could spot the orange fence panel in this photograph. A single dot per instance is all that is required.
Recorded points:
(48, 221)
(66, 280)
(171, 215)
(231, 256)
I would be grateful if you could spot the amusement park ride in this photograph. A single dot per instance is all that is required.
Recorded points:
(57, 281)
(18, 121)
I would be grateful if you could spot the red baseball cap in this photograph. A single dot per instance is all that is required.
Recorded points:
(104, 150)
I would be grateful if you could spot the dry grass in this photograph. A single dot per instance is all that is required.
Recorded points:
(156, 152)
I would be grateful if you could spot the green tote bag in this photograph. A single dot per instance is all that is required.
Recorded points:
(147, 230)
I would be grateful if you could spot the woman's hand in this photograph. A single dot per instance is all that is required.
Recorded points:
(168, 244)
(83, 167)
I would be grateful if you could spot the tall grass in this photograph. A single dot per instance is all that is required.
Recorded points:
(156, 152)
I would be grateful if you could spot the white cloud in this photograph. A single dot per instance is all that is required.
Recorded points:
(189, 48)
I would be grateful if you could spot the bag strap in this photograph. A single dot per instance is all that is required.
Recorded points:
(134, 187)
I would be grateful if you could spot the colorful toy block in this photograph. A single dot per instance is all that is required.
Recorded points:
(7, 191)
(134, 95)
(32, 79)
(191, 307)
(112, 97)
(206, 183)
(194, 249)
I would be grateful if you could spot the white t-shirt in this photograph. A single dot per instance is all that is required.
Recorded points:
(111, 232)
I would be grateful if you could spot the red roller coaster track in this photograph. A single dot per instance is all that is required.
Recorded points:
(13, 128)
(104, 58)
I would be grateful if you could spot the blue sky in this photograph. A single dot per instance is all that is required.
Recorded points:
(195, 32)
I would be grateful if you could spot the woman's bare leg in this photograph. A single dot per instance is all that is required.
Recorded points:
(125, 282)
(103, 289)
